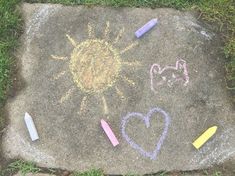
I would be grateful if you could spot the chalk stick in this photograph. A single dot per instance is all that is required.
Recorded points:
(109, 132)
(149, 25)
(204, 137)
(31, 127)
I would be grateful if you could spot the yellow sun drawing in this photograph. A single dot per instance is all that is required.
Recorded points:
(95, 66)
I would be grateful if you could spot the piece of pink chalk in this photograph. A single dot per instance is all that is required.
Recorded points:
(109, 133)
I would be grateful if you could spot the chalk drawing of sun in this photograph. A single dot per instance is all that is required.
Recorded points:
(95, 66)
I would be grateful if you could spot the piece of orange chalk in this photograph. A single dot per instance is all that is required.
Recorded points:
(109, 133)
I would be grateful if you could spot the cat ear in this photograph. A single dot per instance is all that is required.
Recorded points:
(155, 69)
(180, 64)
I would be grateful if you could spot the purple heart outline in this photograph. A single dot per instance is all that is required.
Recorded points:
(152, 155)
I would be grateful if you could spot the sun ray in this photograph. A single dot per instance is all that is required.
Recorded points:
(59, 75)
(128, 80)
(119, 35)
(120, 93)
(106, 111)
(83, 105)
(90, 31)
(96, 65)
(72, 41)
(132, 64)
(58, 57)
(67, 95)
(132, 45)
(106, 32)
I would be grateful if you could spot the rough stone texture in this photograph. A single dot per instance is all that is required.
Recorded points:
(30, 174)
(69, 124)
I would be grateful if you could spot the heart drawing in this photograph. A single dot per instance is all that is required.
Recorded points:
(146, 118)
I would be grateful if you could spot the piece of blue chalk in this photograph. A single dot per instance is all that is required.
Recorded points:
(146, 28)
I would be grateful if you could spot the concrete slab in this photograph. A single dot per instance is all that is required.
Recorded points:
(158, 93)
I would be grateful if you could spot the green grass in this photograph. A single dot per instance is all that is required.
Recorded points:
(212, 173)
(10, 26)
(217, 174)
(124, 3)
(20, 166)
(222, 13)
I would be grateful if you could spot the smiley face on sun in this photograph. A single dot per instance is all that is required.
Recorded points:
(95, 66)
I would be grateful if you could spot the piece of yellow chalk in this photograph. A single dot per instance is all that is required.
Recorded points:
(204, 137)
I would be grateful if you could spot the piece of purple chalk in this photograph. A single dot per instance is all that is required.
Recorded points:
(146, 28)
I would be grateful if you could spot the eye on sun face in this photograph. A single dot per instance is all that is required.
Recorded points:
(95, 65)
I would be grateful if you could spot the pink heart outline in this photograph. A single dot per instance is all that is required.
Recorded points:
(152, 155)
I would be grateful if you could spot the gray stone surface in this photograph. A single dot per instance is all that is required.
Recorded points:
(75, 73)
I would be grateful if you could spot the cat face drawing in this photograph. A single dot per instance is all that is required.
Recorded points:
(169, 75)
